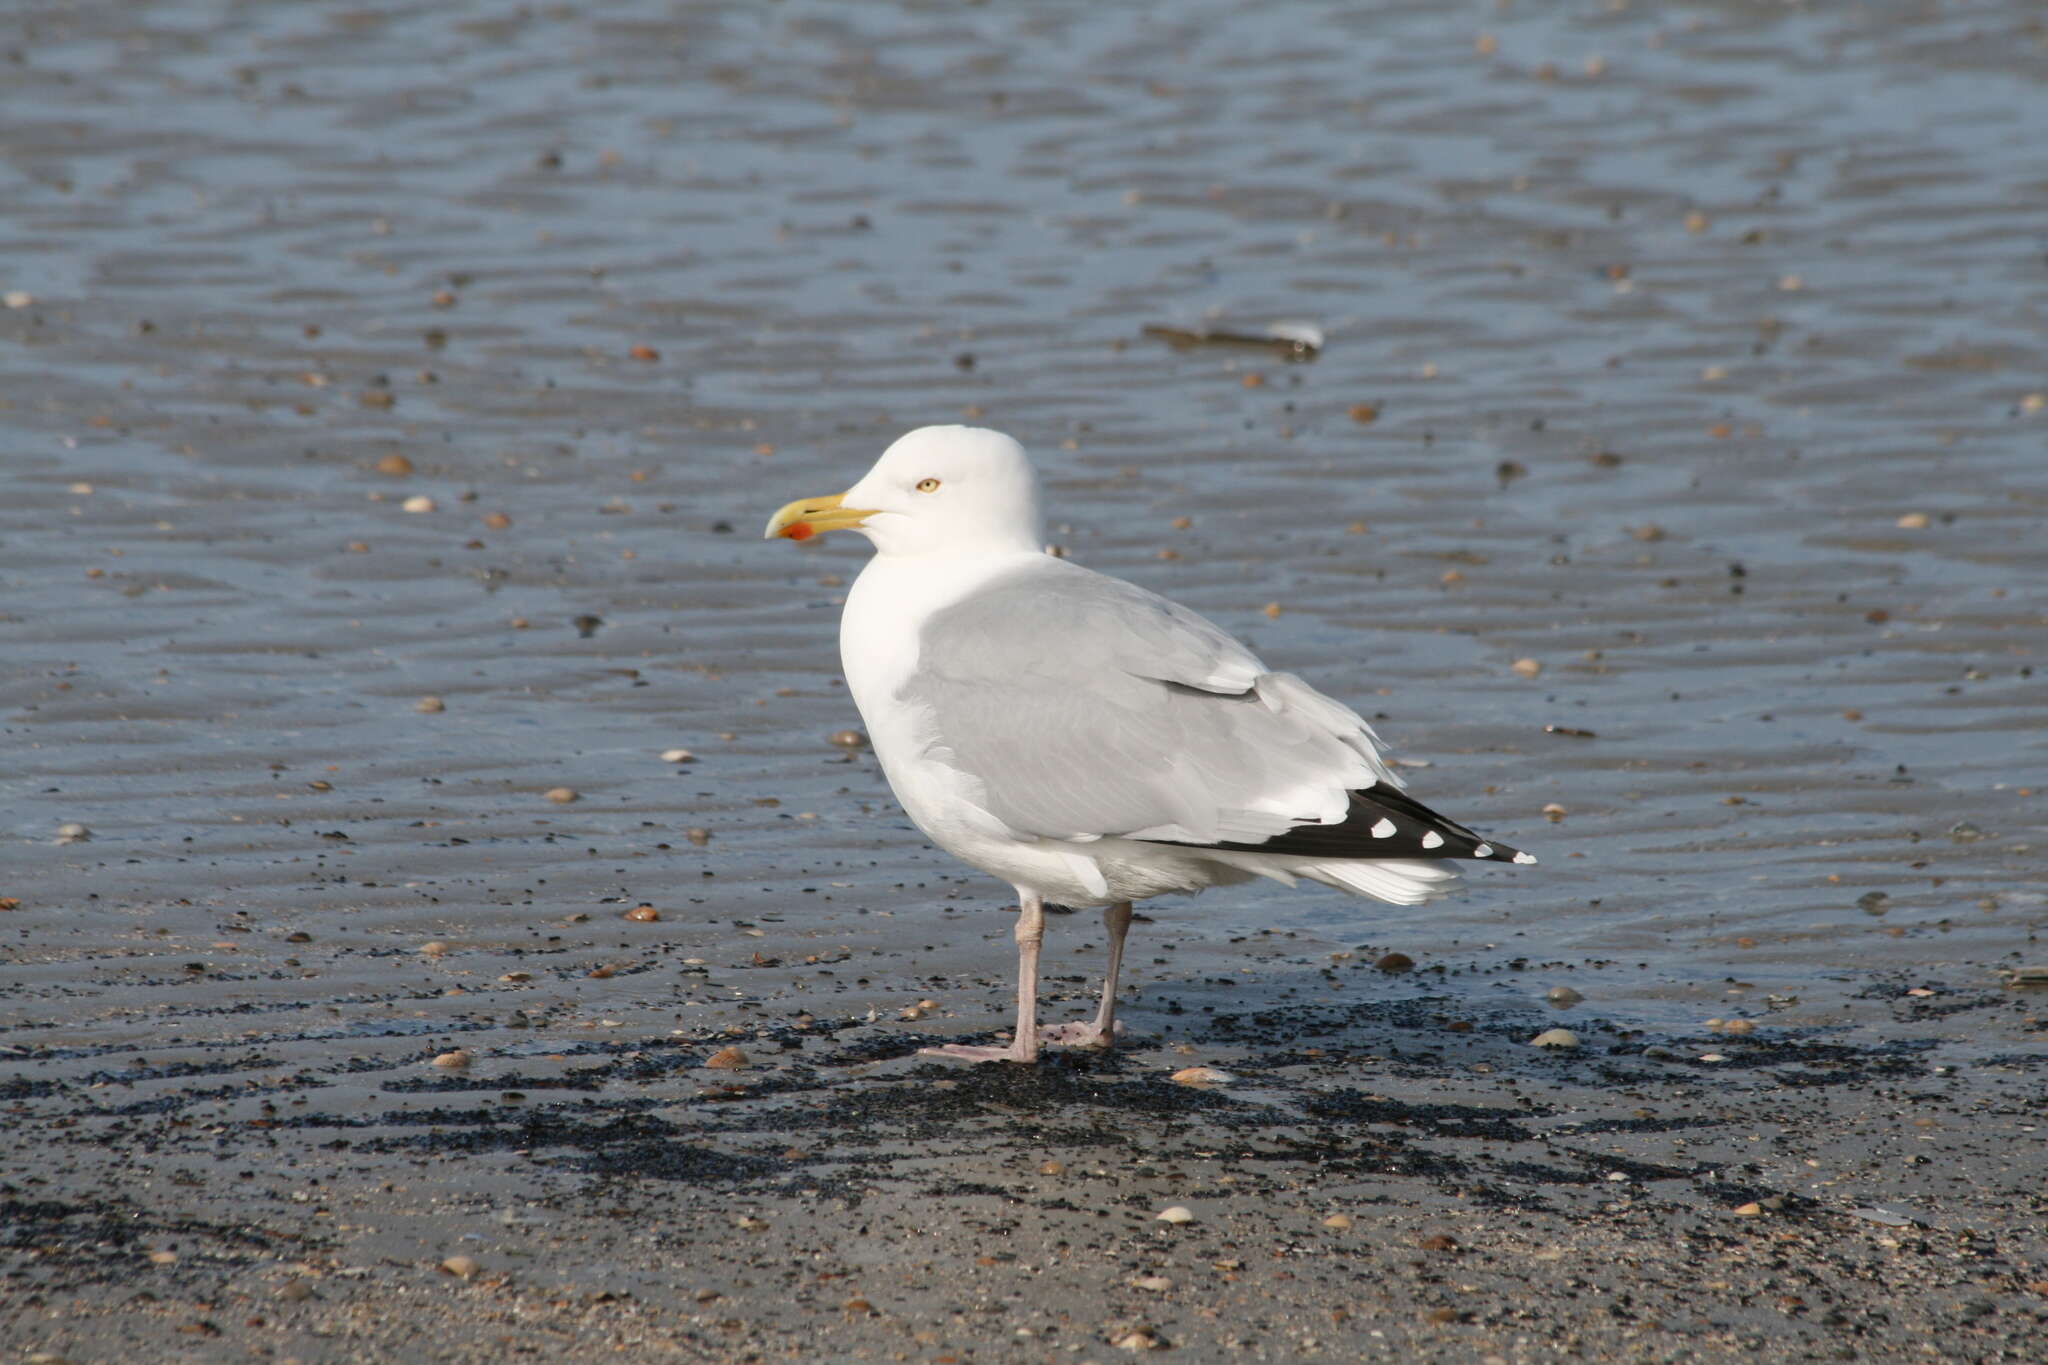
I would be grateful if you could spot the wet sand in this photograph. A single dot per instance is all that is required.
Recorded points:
(356, 357)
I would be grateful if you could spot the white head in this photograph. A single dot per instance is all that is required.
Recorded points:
(938, 490)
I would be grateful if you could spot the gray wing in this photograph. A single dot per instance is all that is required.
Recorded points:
(1077, 706)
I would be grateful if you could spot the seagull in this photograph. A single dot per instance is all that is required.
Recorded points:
(1087, 741)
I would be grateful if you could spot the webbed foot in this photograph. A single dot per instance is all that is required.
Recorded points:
(1080, 1035)
(964, 1052)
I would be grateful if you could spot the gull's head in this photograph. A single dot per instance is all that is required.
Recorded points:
(938, 490)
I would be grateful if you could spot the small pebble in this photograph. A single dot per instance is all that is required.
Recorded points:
(678, 756)
(1555, 1037)
(453, 1061)
(2033, 402)
(1157, 1284)
(848, 739)
(1527, 668)
(1338, 1222)
(419, 502)
(462, 1267)
(295, 1290)
(699, 837)
(1396, 962)
(1052, 1168)
(1272, 610)
(858, 1305)
(397, 466)
(1202, 1075)
(1563, 996)
(1913, 521)
(1647, 533)
(497, 521)
(1554, 812)
(72, 832)
(726, 1059)
(1179, 1213)
(434, 949)
(1139, 1341)
(18, 299)
(561, 796)
(643, 914)
(1364, 413)
(1749, 1210)
(163, 1258)
(429, 706)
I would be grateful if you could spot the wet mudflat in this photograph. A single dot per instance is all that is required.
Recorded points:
(393, 395)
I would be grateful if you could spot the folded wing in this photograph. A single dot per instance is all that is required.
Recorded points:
(1076, 706)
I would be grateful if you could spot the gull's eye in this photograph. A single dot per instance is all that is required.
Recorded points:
(927, 485)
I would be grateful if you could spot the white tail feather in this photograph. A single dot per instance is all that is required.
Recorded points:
(1398, 881)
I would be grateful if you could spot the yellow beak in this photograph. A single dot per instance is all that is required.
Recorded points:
(804, 518)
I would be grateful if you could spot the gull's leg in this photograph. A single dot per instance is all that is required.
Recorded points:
(1102, 1033)
(1024, 1042)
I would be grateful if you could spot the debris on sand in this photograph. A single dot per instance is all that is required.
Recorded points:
(1288, 340)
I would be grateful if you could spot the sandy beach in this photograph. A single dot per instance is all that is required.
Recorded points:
(393, 396)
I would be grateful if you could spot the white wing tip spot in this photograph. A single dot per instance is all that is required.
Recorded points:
(1383, 830)
(1483, 851)
(1525, 857)
(1432, 840)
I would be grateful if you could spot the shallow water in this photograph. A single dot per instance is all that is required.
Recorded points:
(1667, 316)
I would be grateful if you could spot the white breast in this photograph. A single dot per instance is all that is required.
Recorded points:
(878, 648)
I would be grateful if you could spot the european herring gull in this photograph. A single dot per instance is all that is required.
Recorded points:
(1087, 741)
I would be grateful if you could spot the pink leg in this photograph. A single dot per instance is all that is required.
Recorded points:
(1024, 1042)
(1102, 1033)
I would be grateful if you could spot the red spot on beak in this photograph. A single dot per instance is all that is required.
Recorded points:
(799, 530)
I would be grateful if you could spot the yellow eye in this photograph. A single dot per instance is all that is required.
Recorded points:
(927, 485)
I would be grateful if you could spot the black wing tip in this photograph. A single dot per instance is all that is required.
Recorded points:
(1487, 850)
(1385, 823)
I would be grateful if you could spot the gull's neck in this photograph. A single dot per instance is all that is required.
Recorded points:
(919, 584)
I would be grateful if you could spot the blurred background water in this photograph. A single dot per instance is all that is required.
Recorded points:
(359, 354)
